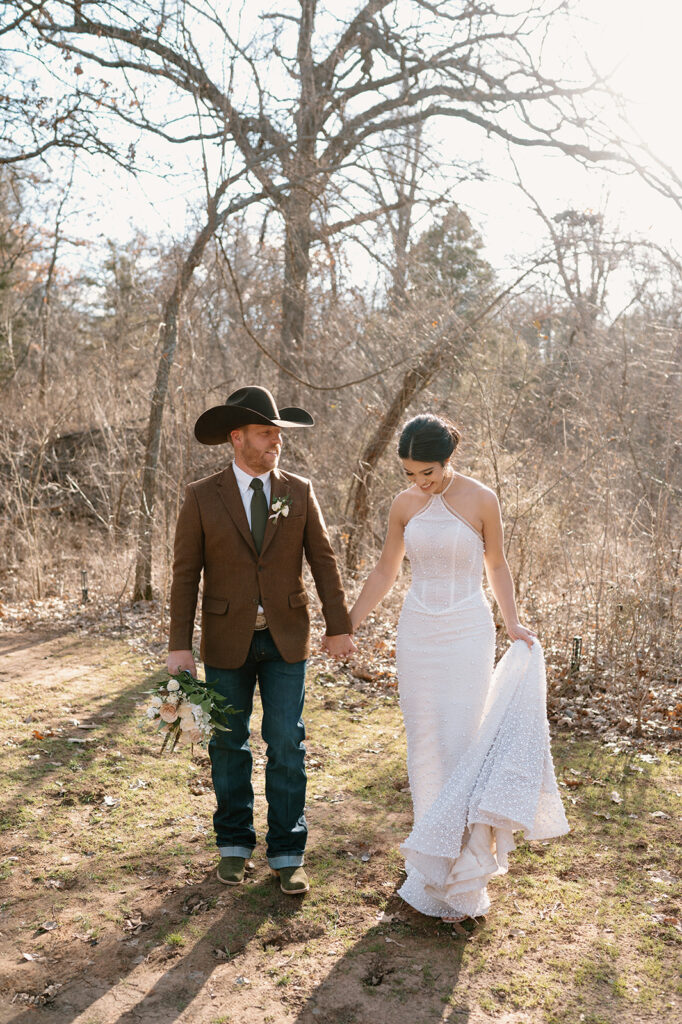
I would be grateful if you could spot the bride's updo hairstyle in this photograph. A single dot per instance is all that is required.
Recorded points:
(428, 438)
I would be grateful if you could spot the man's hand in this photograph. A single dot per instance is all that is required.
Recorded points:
(340, 646)
(181, 661)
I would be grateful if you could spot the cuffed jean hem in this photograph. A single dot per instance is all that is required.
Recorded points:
(234, 851)
(286, 860)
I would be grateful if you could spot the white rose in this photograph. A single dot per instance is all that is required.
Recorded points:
(285, 511)
(156, 702)
(172, 684)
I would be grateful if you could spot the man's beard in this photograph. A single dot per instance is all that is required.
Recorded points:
(256, 460)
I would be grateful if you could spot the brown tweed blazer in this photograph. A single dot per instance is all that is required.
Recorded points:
(212, 535)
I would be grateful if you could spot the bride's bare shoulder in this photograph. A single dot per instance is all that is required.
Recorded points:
(477, 490)
(406, 503)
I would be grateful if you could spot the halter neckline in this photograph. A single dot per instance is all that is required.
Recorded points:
(452, 511)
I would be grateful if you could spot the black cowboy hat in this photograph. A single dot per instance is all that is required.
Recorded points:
(251, 404)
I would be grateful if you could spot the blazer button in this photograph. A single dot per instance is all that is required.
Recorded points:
(260, 568)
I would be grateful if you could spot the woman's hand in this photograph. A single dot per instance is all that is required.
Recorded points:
(518, 632)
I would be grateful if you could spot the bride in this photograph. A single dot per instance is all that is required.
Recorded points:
(478, 755)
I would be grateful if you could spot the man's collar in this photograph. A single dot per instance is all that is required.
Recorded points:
(244, 479)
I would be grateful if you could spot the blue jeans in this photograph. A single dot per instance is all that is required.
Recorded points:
(282, 691)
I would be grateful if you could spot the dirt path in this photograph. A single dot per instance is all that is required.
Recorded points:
(112, 914)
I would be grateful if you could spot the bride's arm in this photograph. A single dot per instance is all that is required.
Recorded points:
(385, 572)
(497, 569)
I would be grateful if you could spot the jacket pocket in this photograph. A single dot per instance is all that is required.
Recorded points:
(298, 600)
(215, 605)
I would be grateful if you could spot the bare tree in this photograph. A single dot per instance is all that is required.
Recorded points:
(216, 216)
(296, 106)
(34, 118)
(303, 103)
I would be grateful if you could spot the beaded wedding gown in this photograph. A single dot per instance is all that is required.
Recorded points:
(478, 754)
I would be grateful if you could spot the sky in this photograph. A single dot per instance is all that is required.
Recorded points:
(638, 43)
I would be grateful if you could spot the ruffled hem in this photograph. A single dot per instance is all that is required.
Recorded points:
(463, 892)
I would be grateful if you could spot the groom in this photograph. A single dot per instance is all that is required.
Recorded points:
(247, 528)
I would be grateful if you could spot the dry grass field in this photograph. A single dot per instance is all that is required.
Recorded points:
(111, 912)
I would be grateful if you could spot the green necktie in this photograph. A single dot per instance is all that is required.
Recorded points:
(259, 513)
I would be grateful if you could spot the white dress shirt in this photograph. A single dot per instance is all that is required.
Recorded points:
(246, 490)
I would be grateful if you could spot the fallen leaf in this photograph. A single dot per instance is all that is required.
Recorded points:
(660, 815)
(361, 672)
(666, 919)
(195, 905)
(199, 789)
(616, 798)
(134, 925)
(48, 926)
(110, 801)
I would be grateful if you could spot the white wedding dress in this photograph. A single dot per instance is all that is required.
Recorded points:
(478, 754)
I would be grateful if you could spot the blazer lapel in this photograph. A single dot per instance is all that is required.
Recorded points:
(277, 490)
(228, 488)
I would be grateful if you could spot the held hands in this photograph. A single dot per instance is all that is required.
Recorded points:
(340, 646)
(181, 661)
(518, 632)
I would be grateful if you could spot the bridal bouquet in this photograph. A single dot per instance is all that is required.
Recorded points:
(187, 711)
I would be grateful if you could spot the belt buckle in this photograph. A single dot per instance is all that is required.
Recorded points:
(261, 621)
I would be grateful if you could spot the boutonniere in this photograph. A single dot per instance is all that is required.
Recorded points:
(280, 507)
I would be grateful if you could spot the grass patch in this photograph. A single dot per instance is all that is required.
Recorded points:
(582, 929)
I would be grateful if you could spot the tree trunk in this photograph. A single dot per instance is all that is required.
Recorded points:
(413, 383)
(142, 590)
(297, 241)
(169, 336)
(297, 211)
